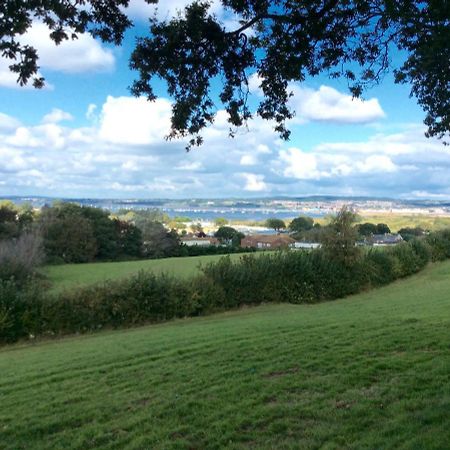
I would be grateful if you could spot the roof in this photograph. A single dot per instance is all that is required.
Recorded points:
(386, 238)
(269, 238)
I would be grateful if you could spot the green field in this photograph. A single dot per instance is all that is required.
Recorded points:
(366, 372)
(75, 275)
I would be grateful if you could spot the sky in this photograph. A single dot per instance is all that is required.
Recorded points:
(84, 135)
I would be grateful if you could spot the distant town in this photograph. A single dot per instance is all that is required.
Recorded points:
(257, 209)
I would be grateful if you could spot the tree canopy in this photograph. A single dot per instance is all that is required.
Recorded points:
(279, 40)
(276, 224)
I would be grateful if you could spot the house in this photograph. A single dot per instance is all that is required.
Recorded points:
(207, 241)
(267, 241)
(381, 240)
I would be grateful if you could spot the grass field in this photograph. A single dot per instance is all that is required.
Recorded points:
(75, 275)
(366, 372)
(396, 221)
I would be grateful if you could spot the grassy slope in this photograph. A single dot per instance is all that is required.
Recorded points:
(397, 221)
(74, 275)
(371, 371)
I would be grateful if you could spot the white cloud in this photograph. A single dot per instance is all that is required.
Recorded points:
(329, 105)
(134, 121)
(254, 183)
(326, 104)
(125, 151)
(84, 54)
(8, 122)
(299, 164)
(8, 79)
(90, 112)
(249, 160)
(57, 115)
(377, 163)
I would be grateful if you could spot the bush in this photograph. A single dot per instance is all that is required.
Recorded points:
(284, 276)
(20, 311)
(439, 244)
(19, 257)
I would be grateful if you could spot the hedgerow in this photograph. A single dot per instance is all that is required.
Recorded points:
(285, 276)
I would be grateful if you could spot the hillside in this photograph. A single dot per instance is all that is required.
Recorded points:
(370, 371)
(65, 276)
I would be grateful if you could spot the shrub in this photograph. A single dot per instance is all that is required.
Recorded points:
(20, 310)
(439, 243)
(19, 257)
(284, 276)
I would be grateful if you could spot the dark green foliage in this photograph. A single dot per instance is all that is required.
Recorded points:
(339, 238)
(409, 233)
(229, 236)
(104, 231)
(199, 250)
(69, 239)
(76, 234)
(20, 257)
(290, 41)
(302, 223)
(439, 243)
(275, 224)
(20, 310)
(65, 21)
(284, 276)
(282, 41)
(14, 220)
(129, 239)
(158, 241)
(368, 229)
(382, 228)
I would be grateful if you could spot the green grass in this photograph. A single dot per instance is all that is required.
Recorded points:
(77, 275)
(366, 372)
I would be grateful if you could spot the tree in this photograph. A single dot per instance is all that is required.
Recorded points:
(302, 223)
(8, 221)
(366, 229)
(408, 233)
(382, 228)
(197, 229)
(279, 40)
(129, 239)
(158, 242)
(275, 224)
(69, 239)
(339, 239)
(229, 235)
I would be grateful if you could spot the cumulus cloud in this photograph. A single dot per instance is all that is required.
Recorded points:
(124, 152)
(84, 54)
(299, 164)
(134, 121)
(57, 115)
(254, 182)
(329, 105)
(8, 79)
(8, 123)
(326, 104)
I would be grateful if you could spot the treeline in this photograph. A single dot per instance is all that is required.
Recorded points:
(338, 269)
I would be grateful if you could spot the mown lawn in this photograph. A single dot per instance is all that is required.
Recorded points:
(77, 275)
(368, 372)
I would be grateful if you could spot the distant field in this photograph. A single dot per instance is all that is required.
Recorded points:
(367, 372)
(396, 221)
(75, 275)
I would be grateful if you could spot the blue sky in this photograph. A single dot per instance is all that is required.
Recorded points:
(85, 135)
